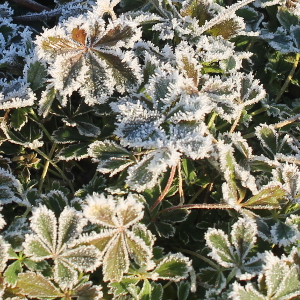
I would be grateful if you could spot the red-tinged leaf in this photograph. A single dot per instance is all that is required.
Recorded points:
(79, 35)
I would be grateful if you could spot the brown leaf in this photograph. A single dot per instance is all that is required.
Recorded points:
(79, 35)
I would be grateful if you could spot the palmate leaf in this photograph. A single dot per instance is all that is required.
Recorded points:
(87, 56)
(117, 242)
(61, 244)
(233, 255)
(279, 278)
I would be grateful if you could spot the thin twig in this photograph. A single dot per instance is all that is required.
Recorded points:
(289, 78)
(166, 189)
(236, 122)
(287, 121)
(32, 5)
(42, 16)
(46, 167)
(180, 185)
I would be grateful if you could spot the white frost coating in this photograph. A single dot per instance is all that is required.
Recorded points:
(83, 61)
(48, 242)
(243, 236)
(223, 254)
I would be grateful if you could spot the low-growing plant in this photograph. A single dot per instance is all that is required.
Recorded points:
(150, 149)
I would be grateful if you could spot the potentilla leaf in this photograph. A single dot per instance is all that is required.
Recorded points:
(268, 137)
(70, 226)
(101, 210)
(36, 248)
(35, 285)
(174, 267)
(271, 195)
(12, 271)
(76, 151)
(43, 222)
(115, 262)
(112, 158)
(246, 293)
(83, 258)
(138, 249)
(86, 56)
(64, 274)
(222, 250)
(18, 118)
(88, 291)
(130, 211)
(146, 290)
(243, 236)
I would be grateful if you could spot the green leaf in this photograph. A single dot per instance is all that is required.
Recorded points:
(112, 158)
(47, 98)
(295, 34)
(145, 293)
(183, 290)
(286, 18)
(243, 236)
(164, 229)
(222, 250)
(121, 288)
(270, 196)
(76, 151)
(173, 216)
(283, 234)
(268, 136)
(87, 129)
(227, 29)
(116, 261)
(18, 118)
(12, 271)
(36, 75)
(247, 293)
(174, 267)
(64, 274)
(67, 135)
(37, 286)
(87, 291)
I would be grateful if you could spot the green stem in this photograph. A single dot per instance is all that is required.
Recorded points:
(46, 167)
(57, 168)
(212, 119)
(197, 194)
(35, 119)
(289, 78)
(261, 110)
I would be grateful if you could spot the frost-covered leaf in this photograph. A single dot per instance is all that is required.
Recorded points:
(87, 56)
(117, 242)
(270, 195)
(112, 158)
(68, 135)
(174, 267)
(15, 94)
(10, 187)
(183, 290)
(12, 271)
(268, 137)
(35, 285)
(243, 236)
(76, 151)
(36, 75)
(60, 244)
(18, 118)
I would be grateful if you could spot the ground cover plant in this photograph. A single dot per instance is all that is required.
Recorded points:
(150, 149)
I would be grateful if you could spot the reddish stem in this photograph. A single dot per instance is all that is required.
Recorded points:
(166, 189)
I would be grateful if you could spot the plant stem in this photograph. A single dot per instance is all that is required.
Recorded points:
(261, 110)
(236, 122)
(42, 16)
(165, 191)
(180, 188)
(32, 5)
(197, 194)
(289, 78)
(57, 168)
(46, 167)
